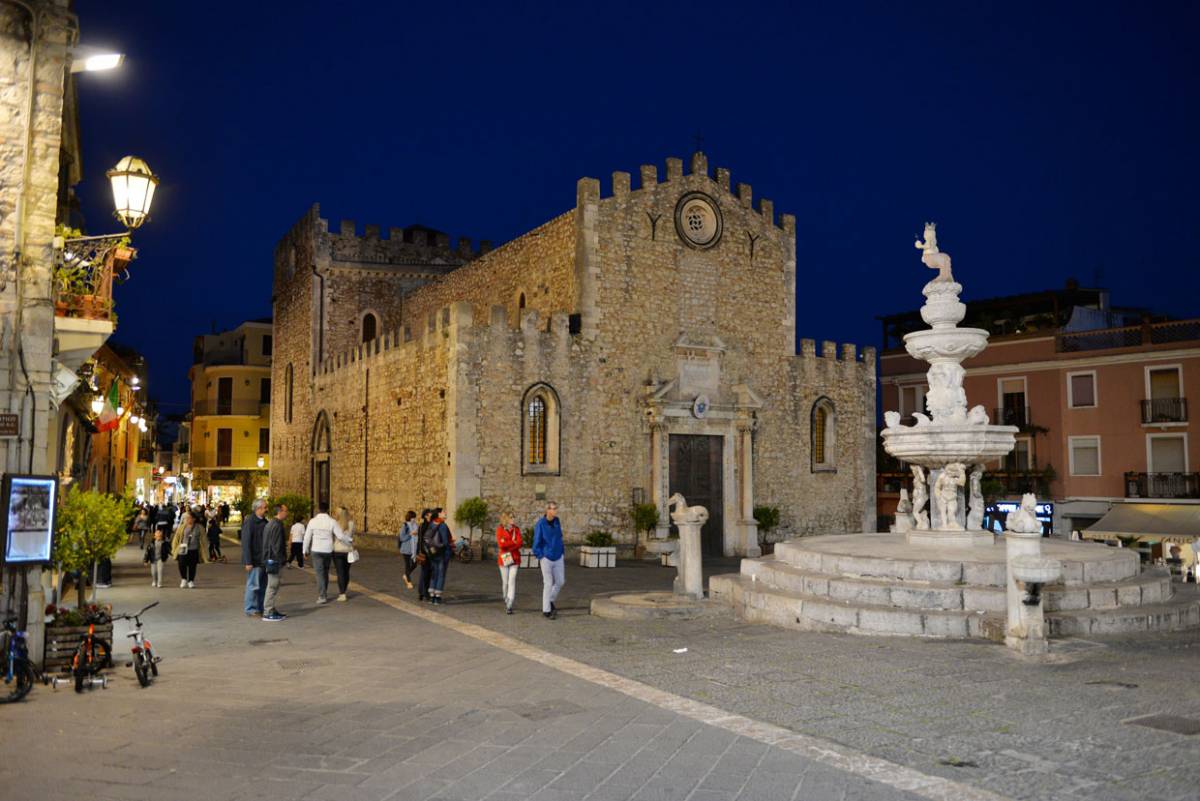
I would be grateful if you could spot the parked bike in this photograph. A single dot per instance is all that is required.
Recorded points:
(462, 550)
(144, 662)
(19, 672)
(93, 655)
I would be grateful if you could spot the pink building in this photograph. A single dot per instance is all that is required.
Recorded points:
(1100, 396)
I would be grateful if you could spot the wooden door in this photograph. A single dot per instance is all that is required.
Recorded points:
(224, 447)
(696, 473)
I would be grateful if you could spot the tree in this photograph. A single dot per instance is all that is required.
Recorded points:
(90, 527)
(299, 506)
(645, 517)
(473, 513)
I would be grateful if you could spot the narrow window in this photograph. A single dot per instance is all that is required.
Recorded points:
(266, 345)
(369, 326)
(823, 424)
(264, 440)
(537, 431)
(264, 391)
(287, 395)
(820, 418)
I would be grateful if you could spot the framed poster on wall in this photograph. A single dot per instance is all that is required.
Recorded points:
(29, 504)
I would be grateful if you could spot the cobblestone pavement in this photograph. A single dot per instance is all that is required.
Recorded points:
(966, 711)
(358, 701)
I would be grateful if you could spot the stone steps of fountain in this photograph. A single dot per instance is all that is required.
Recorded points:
(1151, 587)
(758, 602)
(889, 557)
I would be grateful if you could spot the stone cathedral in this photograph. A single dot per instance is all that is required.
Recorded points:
(639, 344)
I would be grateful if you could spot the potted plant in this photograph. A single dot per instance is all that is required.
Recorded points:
(599, 550)
(90, 527)
(472, 513)
(767, 518)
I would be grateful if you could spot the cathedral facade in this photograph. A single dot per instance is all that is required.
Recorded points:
(640, 344)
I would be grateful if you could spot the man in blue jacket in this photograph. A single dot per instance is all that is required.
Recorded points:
(548, 548)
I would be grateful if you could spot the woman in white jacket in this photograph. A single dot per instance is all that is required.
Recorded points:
(342, 546)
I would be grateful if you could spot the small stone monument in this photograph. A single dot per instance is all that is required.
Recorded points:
(1028, 571)
(688, 519)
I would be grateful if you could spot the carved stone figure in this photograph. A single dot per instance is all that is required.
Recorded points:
(932, 257)
(975, 516)
(922, 419)
(978, 416)
(946, 398)
(891, 419)
(920, 496)
(683, 513)
(953, 476)
(904, 518)
(1024, 520)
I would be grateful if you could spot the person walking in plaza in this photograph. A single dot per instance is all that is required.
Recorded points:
(408, 546)
(319, 536)
(158, 551)
(141, 525)
(297, 544)
(343, 547)
(437, 550)
(548, 548)
(508, 541)
(424, 558)
(251, 536)
(273, 555)
(214, 539)
(186, 548)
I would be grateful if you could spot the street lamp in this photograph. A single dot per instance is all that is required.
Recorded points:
(97, 405)
(133, 190)
(85, 58)
(261, 461)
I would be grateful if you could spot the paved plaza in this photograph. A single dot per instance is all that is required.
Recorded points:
(381, 698)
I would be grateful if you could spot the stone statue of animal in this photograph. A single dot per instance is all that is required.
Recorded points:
(686, 514)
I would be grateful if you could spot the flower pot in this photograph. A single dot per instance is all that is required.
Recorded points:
(598, 556)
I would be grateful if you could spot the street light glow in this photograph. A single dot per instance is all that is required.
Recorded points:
(102, 62)
(97, 405)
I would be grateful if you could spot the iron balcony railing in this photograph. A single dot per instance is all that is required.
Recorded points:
(1162, 485)
(1164, 410)
(239, 407)
(1012, 416)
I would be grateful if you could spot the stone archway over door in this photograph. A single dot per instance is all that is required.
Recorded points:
(697, 472)
(320, 461)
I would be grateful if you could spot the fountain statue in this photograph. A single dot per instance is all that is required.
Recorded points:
(941, 445)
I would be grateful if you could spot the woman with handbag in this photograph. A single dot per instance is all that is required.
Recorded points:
(508, 540)
(423, 558)
(344, 552)
(185, 548)
(408, 546)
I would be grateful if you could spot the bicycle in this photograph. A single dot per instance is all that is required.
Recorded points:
(19, 672)
(462, 550)
(144, 662)
(93, 654)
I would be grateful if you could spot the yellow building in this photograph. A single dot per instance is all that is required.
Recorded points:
(230, 450)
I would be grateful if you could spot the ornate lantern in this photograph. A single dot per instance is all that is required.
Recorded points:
(133, 190)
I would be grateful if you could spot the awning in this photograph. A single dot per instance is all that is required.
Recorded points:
(1163, 522)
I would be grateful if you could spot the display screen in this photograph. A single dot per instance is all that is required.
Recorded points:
(29, 506)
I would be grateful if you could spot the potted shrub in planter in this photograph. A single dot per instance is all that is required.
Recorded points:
(767, 518)
(91, 527)
(599, 550)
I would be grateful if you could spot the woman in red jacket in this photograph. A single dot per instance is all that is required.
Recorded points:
(508, 540)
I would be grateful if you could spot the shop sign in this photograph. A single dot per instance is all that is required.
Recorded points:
(10, 424)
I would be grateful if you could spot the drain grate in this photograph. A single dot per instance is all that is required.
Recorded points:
(1112, 685)
(267, 642)
(1172, 723)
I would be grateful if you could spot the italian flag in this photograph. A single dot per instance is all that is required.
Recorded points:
(108, 419)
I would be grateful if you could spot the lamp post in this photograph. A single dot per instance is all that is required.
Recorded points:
(133, 186)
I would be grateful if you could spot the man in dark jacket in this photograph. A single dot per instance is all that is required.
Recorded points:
(256, 584)
(274, 552)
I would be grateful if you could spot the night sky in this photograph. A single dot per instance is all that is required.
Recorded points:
(1048, 140)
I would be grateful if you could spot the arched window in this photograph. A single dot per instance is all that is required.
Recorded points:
(540, 428)
(521, 301)
(824, 436)
(321, 446)
(370, 325)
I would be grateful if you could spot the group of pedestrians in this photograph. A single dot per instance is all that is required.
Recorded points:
(429, 544)
(267, 547)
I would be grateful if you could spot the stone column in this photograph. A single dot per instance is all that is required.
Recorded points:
(658, 489)
(689, 519)
(746, 465)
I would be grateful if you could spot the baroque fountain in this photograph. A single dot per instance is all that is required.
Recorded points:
(939, 573)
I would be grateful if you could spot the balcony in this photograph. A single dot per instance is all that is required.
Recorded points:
(1012, 416)
(83, 304)
(1162, 485)
(1164, 410)
(246, 408)
(1134, 336)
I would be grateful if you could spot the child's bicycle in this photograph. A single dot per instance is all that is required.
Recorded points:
(92, 656)
(19, 672)
(144, 662)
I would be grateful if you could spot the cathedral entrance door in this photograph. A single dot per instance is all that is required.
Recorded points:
(320, 483)
(697, 475)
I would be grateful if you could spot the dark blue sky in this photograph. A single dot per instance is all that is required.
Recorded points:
(1047, 140)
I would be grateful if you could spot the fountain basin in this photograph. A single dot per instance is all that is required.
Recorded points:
(936, 445)
(945, 344)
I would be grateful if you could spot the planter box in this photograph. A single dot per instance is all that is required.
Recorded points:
(528, 559)
(63, 641)
(592, 556)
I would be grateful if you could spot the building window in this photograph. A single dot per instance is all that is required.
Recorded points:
(1081, 390)
(287, 394)
(824, 436)
(1164, 401)
(1085, 456)
(912, 399)
(370, 326)
(1014, 408)
(1017, 460)
(264, 391)
(224, 447)
(264, 440)
(267, 344)
(1166, 453)
(540, 423)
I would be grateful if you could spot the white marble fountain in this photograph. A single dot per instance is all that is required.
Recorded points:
(940, 574)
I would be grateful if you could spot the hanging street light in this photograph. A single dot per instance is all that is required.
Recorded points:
(133, 190)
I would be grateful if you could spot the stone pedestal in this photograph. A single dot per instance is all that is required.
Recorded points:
(690, 580)
(1028, 570)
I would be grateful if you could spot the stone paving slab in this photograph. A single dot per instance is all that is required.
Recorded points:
(358, 701)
